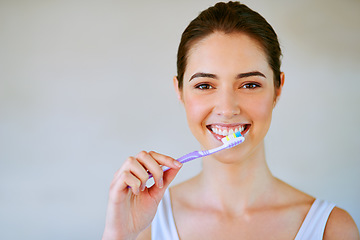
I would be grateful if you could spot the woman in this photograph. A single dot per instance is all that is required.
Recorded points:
(228, 78)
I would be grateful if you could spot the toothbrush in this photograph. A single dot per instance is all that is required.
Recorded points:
(229, 141)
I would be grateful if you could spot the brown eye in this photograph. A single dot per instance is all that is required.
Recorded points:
(251, 85)
(203, 86)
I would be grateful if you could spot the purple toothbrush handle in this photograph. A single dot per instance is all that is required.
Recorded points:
(190, 156)
(186, 158)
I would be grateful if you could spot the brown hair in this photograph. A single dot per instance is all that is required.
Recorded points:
(229, 18)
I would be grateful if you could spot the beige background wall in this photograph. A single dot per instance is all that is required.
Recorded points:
(84, 84)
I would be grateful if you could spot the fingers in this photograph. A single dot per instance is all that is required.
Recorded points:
(169, 176)
(165, 160)
(152, 166)
(135, 171)
(128, 177)
(138, 171)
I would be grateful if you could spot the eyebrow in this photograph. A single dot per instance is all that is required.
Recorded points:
(204, 75)
(250, 74)
(240, 75)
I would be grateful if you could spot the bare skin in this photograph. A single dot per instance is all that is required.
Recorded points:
(277, 214)
(228, 83)
(131, 205)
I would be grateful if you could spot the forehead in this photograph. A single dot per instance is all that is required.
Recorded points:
(225, 52)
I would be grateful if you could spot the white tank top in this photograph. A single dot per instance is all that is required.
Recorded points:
(163, 226)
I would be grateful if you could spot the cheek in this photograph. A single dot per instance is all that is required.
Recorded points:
(260, 108)
(196, 110)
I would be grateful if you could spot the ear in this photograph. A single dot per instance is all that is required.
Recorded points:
(177, 89)
(278, 90)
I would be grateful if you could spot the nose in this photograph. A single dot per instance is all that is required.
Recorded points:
(227, 104)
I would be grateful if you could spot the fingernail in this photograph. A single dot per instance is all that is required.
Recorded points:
(143, 187)
(177, 163)
(161, 183)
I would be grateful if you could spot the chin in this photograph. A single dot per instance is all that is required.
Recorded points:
(229, 156)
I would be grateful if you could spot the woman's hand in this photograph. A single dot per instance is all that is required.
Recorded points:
(131, 210)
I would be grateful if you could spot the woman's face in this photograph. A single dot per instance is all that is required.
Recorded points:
(228, 86)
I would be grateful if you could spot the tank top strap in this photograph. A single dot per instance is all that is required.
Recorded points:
(315, 221)
(163, 225)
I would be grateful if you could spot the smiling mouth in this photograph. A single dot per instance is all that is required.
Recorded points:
(220, 131)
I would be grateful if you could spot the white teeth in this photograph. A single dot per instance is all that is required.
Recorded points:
(226, 132)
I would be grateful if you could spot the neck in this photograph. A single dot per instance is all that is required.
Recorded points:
(243, 184)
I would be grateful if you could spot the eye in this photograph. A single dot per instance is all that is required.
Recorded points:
(203, 86)
(250, 85)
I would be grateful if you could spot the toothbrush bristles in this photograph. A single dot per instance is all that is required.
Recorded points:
(231, 137)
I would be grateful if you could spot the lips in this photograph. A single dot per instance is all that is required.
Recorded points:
(222, 130)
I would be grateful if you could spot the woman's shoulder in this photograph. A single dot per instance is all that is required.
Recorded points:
(341, 225)
(292, 195)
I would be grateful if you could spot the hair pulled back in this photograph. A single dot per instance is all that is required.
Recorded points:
(231, 17)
